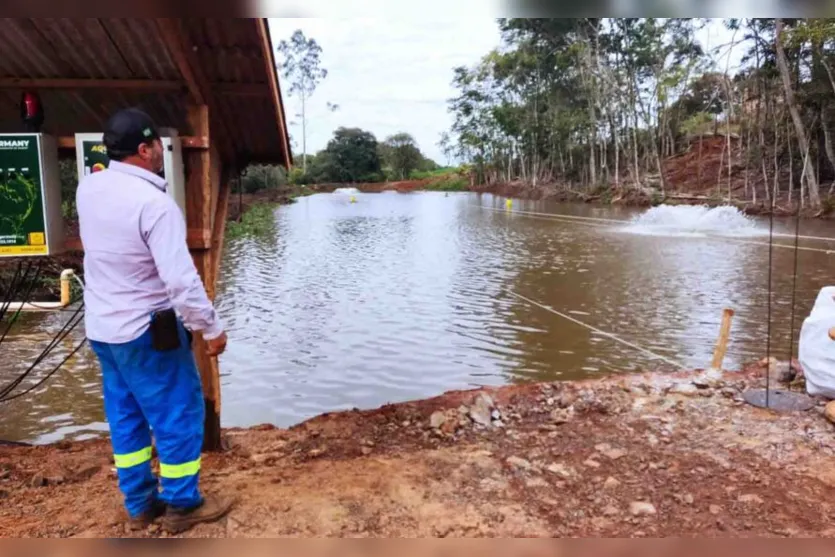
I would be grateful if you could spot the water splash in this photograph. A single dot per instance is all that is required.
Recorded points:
(693, 220)
(347, 191)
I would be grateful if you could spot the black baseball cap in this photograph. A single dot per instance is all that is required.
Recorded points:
(126, 131)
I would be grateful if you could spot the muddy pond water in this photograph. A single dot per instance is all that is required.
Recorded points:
(402, 296)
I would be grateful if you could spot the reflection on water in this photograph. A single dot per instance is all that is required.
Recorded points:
(69, 404)
(397, 297)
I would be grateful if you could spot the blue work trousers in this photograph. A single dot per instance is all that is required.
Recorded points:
(147, 390)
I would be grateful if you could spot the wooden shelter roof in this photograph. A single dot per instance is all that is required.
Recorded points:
(86, 69)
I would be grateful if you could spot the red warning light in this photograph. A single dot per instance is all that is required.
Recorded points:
(31, 111)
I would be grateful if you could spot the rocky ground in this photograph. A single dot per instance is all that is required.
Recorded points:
(639, 456)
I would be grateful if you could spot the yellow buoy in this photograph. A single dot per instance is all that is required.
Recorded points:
(509, 203)
(353, 199)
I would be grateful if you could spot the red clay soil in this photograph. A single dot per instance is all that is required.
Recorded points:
(703, 168)
(637, 456)
(546, 191)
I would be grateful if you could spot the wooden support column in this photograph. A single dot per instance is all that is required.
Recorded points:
(202, 187)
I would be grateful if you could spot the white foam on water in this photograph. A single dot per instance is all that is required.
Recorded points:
(347, 191)
(693, 221)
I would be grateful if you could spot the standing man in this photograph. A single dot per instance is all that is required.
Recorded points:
(143, 299)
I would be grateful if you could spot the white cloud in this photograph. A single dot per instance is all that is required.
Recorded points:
(386, 75)
(394, 74)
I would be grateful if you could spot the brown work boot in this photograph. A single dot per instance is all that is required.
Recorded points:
(179, 520)
(141, 522)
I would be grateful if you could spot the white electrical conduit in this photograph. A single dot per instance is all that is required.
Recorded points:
(563, 218)
(598, 331)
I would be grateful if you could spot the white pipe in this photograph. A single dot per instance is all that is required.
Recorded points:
(40, 306)
(66, 276)
(66, 293)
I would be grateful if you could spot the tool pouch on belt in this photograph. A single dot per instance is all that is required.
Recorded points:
(165, 331)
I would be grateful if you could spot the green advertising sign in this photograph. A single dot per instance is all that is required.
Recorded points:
(22, 222)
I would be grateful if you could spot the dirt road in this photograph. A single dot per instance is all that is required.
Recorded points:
(654, 455)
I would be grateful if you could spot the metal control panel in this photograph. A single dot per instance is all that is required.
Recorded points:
(31, 221)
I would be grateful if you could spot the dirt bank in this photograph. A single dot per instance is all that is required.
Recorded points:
(653, 455)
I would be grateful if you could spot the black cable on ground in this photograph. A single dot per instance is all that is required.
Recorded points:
(17, 282)
(62, 334)
(25, 299)
(7, 297)
(48, 376)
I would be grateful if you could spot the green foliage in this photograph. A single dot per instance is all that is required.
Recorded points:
(543, 106)
(444, 179)
(298, 177)
(350, 157)
(258, 220)
(401, 154)
(68, 173)
(435, 173)
(449, 183)
(699, 123)
(263, 177)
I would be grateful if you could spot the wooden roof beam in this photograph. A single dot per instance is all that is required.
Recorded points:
(70, 84)
(275, 91)
(175, 38)
(188, 142)
(143, 85)
(173, 35)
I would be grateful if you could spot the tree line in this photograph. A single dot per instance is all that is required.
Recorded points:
(604, 103)
(353, 156)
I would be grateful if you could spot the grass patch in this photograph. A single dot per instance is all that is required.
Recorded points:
(427, 174)
(258, 220)
(302, 191)
(449, 183)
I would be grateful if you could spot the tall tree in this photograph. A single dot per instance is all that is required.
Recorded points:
(446, 147)
(351, 156)
(302, 68)
(800, 128)
(401, 154)
(610, 102)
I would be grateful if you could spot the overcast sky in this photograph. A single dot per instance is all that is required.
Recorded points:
(394, 74)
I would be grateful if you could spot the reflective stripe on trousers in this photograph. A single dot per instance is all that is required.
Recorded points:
(177, 471)
(173, 471)
(133, 459)
(146, 389)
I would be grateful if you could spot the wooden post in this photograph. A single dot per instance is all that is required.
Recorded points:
(722, 341)
(202, 188)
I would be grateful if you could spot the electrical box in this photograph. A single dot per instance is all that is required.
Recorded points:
(91, 155)
(31, 220)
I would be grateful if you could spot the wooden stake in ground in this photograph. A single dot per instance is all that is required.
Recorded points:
(722, 342)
